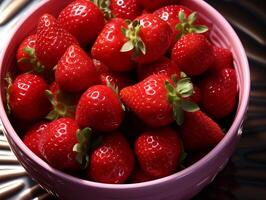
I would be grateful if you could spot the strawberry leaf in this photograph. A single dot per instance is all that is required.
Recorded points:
(97, 142)
(192, 18)
(178, 114)
(189, 106)
(199, 29)
(128, 46)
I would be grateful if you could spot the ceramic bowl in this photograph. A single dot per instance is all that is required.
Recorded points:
(182, 185)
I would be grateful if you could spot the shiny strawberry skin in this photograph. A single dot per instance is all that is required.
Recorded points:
(79, 17)
(200, 132)
(153, 5)
(27, 97)
(57, 143)
(148, 99)
(99, 108)
(75, 71)
(163, 66)
(52, 41)
(156, 34)
(193, 53)
(112, 161)
(33, 136)
(126, 9)
(159, 152)
(28, 42)
(139, 175)
(108, 44)
(219, 92)
(223, 58)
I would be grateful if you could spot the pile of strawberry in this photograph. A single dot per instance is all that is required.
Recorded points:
(121, 91)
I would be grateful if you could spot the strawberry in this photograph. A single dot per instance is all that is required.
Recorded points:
(219, 92)
(139, 175)
(26, 58)
(75, 71)
(153, 5)
(126, 9)
(58, 142)
(112, 161)
(99, 108)
(223, 58)
(158, 101)
(163, 66)
(159, 152)
(26, 97)
(181, 20)
(79, 17)
(196, 95)
(52, 41)
(193, 54)
(108, 44)
(200, 132)
(33, 136)
(149, 37)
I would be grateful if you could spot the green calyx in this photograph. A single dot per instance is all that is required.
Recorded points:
(178, 96)
(116, 90)
(60, 109)
(186, 24)
(134, 40)
(8, 79)
(104, 6)
(84, 145)
(37, 66)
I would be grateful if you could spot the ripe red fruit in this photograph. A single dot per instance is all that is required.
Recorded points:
(139, 175)
(99, 108)
(75, 71)
(219, 92)
(52, 41)
(163, 66)
(33, 136)
(112, 161)
(181, 20)
(57, 143)
(159, 152)
(200, 132)
(196, 96)
(108, 44)
(126, 9)
(193, 54)
(153, 5)
(25, 54)
(82, 19)
(26, 96)
(158, 101)
(223, 58)
(149, 37)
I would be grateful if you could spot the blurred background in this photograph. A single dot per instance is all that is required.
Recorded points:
(244, 178)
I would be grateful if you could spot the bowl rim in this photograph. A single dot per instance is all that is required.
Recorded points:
(242, 108)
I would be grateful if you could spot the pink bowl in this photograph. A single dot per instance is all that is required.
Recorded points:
(182, 185)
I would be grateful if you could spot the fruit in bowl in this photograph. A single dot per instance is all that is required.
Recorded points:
(170, 87)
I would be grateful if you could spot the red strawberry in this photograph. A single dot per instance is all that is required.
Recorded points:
(75, 71)
(99, 108)
(108, 44)
(27, 97)
(149, 37)
(100, 67)
(193, 54)
(58, 141)
(112, 161)
(26, 58)
(126, 9)
(196, 96)
(223, 58)
(33, 136)
(200, 132)
(157, 101)
(82, 19)
(138, 176)
(159, 152)
(181, 20)
(52, 41)
(153, 5)
(163, 66)
(219, 92)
